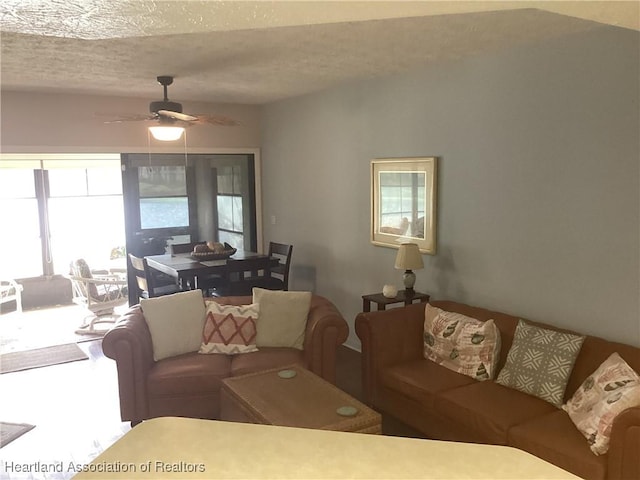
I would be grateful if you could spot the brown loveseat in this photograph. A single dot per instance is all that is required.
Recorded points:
(188, 385)
(445, 405)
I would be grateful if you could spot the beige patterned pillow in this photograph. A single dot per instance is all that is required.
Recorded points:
(540, 362)
(460, 343)
(229, 329)
(612, 388)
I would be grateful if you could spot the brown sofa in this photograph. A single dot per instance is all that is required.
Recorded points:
(445, 405)
(189, 385)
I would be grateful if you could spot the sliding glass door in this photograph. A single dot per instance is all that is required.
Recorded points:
(58, 209)
(170, 200)
(207, 197)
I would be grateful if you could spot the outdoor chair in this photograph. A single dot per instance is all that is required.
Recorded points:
(99, 294)
(10, 290)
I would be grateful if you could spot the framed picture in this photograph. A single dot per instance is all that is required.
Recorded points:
(403, 202)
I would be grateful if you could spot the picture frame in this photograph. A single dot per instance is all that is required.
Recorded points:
(403, 202)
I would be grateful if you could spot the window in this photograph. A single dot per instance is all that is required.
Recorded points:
(56, 209)
(230, 199)
(163, 197)
(85, 215)
(20, 242)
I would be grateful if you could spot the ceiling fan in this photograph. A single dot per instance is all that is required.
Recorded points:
(169, 116)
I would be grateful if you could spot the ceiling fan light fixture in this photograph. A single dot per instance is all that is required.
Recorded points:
(166, 133)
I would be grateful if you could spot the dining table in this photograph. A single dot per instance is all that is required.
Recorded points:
(186, 270)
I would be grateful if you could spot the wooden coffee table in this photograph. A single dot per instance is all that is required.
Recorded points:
(305, 400)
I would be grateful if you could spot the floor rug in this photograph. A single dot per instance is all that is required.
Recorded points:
(10, 431)
(40, 357)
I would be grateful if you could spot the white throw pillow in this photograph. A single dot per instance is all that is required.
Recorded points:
(175, 322)
(283, 317)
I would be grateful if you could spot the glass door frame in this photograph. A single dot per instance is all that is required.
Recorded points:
(194, 230)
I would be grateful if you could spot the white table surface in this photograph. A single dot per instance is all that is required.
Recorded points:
(215, 449)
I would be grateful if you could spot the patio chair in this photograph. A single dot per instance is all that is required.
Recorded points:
(98, 293)
(10, 290)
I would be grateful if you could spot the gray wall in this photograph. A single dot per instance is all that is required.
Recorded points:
(538, 202)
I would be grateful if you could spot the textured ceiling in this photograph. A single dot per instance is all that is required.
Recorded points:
(258, 52)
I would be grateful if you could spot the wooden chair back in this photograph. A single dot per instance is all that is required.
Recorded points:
(183, 247)
(139, 267)
(284, 253)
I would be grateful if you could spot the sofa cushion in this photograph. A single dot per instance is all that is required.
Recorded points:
(175, 323)
(612, 388)
(554, 438)
(540, 362)
(266, 358)
(283, 317)
(461, 343)
(421, 380)
(489, 409)
(229, 329)
(188, 374)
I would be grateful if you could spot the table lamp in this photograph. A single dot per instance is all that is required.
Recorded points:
(408, 259)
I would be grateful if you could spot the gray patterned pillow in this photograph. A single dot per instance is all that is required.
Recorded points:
(540, 362)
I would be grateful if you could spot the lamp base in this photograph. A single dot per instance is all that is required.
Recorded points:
(409, 279)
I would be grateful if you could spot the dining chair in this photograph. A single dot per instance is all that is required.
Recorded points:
(149, 284)
(280, 273)
(213, 284)
(183, 247)
(278, 278)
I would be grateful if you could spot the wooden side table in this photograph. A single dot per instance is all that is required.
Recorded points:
(403, 296)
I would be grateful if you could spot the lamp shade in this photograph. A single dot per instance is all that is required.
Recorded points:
(166, 133)
(409, 257)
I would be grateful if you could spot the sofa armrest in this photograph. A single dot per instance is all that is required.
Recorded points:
(388, 337)
(129, 344)
(326, 330)
(624, 461)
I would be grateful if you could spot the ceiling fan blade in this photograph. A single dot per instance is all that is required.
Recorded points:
(124, 118)
(177, 115)
(217, 120)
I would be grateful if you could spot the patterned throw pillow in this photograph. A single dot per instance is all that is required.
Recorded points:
(612, 388)
(460, 343)
(540, 362)
(229, 329)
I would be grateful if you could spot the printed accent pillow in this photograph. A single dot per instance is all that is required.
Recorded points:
(612, 388)
(229, 329)
(460, 343)
(283, 317)
(175, 322)
(540, 361)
